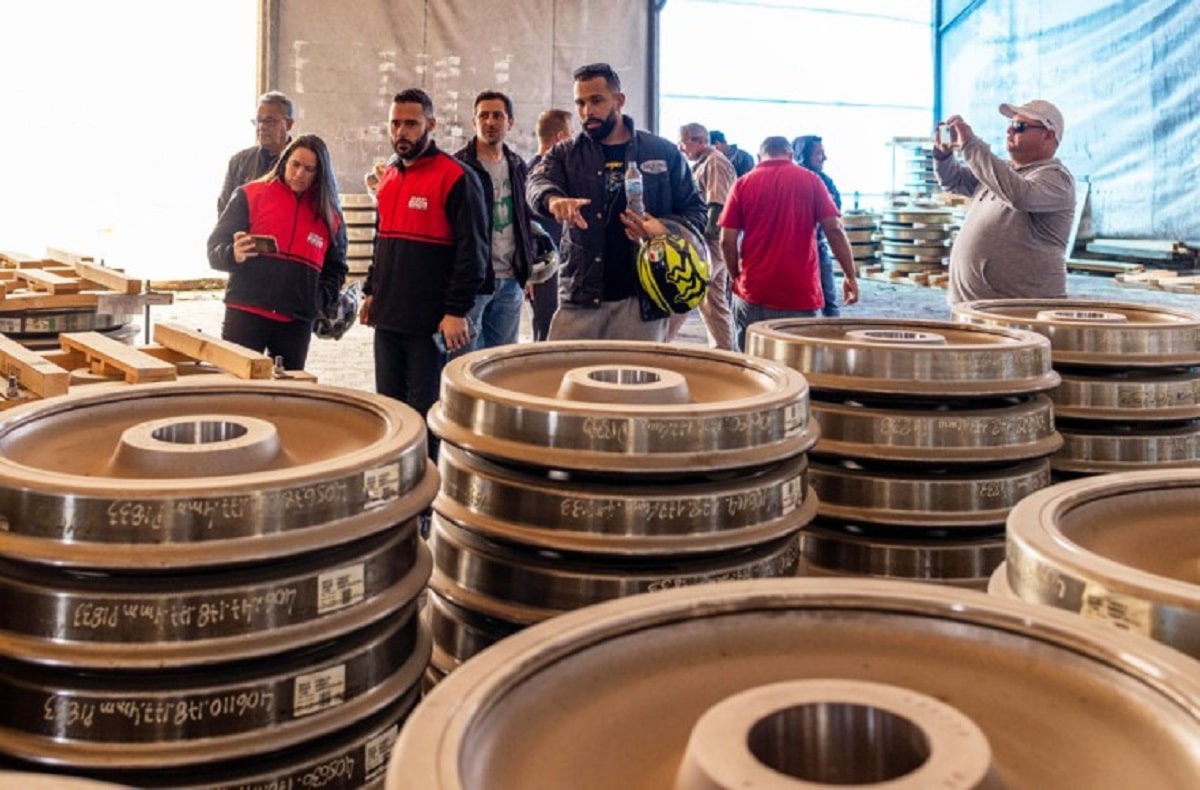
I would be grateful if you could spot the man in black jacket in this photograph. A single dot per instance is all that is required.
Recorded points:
(272, 130)
(496, 316)
(431, 256)
(580, 183)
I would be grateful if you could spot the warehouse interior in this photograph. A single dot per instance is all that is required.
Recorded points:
(923, 544)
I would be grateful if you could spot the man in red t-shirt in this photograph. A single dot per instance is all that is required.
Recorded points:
(776, 207)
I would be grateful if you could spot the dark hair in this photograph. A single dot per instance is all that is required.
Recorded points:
(280, 98)
(594, 70)
(802, 148)
(774, 146)
(494, 96)
(715, 136)
(324, 188)
(552, 122)
(415, 96)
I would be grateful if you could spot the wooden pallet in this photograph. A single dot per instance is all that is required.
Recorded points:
(922, 279)
(64, 280)
(177, 351)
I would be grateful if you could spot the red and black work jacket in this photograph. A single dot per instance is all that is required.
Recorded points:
(431, 243)
(309, 267)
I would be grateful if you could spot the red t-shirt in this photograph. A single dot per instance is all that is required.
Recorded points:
(777, 206)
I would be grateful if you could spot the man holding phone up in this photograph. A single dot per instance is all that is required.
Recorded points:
(431, 254)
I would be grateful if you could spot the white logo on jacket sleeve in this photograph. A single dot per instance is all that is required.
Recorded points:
(651, 166)
(419, 203)
(315, 240)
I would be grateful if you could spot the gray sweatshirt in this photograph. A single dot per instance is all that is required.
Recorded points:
(1013, 243)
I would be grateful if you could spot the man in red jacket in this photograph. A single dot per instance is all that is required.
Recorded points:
(431, 254)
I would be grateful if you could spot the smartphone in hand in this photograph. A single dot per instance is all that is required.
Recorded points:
(265, 245)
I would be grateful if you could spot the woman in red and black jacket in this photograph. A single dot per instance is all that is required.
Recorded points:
(283, 242)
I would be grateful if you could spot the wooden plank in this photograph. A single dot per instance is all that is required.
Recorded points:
(35, 373)
(35, 300)
(42, 280)
(19, 260)
(230, 357)
(106, 355)
(108, 278)
(67, 256)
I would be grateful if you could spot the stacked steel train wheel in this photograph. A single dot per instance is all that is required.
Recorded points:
(211, 584)
(806, 683)
(574, 473)
(930, 432)
(1120, 548)
(1130, 392)
(915, 239)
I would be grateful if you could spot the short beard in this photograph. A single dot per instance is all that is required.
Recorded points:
(605, 128)
(417, 149)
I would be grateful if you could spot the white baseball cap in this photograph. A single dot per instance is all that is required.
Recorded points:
(1038, 110)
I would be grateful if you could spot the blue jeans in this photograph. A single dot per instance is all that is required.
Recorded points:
(828, 287)
(496, 317)
(745, 313)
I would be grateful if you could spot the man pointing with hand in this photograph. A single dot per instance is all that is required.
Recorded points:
(581, 183)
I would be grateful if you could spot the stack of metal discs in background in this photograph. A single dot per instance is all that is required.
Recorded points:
(915, 240)
(861, 229)
(912, 167)
(211, 584)
(358, 209)
(574, 473)
(1130, 392)
(1119, 548)
(930, 432)
(810, 683)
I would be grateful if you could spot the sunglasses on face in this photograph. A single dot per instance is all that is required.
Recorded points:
(1019, 126)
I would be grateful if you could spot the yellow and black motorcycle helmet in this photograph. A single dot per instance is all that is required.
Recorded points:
(673, 269)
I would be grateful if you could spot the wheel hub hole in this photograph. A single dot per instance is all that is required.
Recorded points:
(625, 376)
(839, 743)
(898, 336)
(1087, 316)
(199, 432)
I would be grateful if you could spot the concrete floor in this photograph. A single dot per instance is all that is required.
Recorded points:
(348, 362)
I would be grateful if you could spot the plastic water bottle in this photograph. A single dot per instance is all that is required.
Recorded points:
(634, 190)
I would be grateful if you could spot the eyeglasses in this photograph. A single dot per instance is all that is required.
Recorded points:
(1019, 126)
(265, 121)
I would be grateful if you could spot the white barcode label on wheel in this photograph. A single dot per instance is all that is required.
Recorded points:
(341, 588)
(317, 691)
(381, 485)
(378, 750)
(792, 494)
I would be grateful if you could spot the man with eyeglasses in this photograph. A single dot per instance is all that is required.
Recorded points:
(1013, 243)
(272, 127)
(714, 176)
(580, 183)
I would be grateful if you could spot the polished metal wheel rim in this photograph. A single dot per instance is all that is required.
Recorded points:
(961, 560)
(906, 357)
(627, 407)
(1121, 548)
(541, 511)
(939, 433)
(1100, 448)
(607, 696)
(1104, 334)
(921, 497)
(203, 473)
(1129, 395)
(129, 623)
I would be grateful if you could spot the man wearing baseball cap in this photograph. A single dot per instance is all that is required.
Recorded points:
(1013, 243)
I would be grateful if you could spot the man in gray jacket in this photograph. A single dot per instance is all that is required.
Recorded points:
(1013, 243)
(580, 183)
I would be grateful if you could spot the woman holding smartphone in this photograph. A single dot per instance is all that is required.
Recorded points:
(283, 242)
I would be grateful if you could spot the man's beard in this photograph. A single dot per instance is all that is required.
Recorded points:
(605, 128)
(417, 147)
